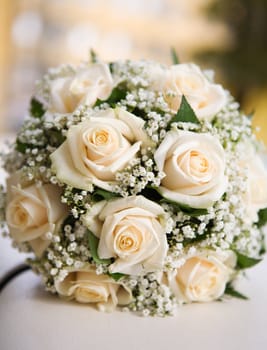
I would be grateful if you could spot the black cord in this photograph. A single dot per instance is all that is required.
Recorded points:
(12, 274)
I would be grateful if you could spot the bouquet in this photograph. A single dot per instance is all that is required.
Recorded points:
(136, 185)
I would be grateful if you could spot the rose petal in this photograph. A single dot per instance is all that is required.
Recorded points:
(51, 196)
(63, 166)
(136, 124)
(39, 245)
(105, 248)
(91, 218)
(182, 183)
(30, 234)
(206, 200)
(203, 277)
(141, 202)
(112, 292)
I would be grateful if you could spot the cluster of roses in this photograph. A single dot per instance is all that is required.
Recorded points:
(131, 232)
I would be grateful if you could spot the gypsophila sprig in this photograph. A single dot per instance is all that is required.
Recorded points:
(135, 185)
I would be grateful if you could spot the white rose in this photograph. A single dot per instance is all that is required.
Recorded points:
(130, 231)
(32, 212)
(205, 97)
(203, 277)
(85, 286)
(84, 87)
(97, 148)
(255, 197)
(194, 165)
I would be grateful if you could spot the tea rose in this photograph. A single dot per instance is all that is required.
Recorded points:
(86, 86)
(97, 148)
(203, 277)
(32, 212)
(205, 97)
(194, 166)
(85, 286)
(130, 231)
(255, 197)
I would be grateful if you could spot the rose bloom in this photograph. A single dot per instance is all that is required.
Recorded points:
(203, 277)
(32, 212)
(97, 148)
(85, 286)
(255, 197)
(205, 97)
(194, 165)
(84, 87)
(131, 232)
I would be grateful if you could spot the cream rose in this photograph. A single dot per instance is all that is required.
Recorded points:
(85, 286)
(203, 277)
(194, 166)
(32, 212)
(205, 97)
(97, 148)
(255, 197)
(131, 232)
(84, 87)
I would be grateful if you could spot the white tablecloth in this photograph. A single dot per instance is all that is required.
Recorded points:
(31, 319)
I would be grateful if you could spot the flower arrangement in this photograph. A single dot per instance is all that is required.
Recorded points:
(136, 185)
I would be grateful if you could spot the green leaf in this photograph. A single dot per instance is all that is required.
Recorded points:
(117, 94)
(93, 242)
(193, 211)
(100, 194)
(137, 111)
(174, 56)
(262, 217)
(151, 193)
(21, 147)
(263, 247)
(36, 109)
(251, 114)
(185, 209)
(244, 262)
(116, 276)
(229, 290)
(111, 67)
(55, 137)
(192, 241)
(70, 220)
(93, 56)
(185, 114)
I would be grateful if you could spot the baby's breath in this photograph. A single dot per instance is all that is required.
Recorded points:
(151, 296)
(137, 89)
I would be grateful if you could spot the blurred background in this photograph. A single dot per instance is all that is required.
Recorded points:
(229, 36)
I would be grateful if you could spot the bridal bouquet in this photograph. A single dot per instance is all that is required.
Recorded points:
(137, 185)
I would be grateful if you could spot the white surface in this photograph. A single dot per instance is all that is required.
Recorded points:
(9, 257)
(32, 319)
